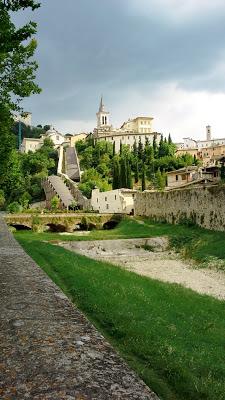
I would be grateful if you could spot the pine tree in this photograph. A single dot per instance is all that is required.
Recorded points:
(143, 178)
(169, 139)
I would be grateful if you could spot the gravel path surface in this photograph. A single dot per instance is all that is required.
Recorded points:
(159, 264)
(48, 349)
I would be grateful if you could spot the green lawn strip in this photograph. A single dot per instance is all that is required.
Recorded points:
(193, 242)
(173, 337)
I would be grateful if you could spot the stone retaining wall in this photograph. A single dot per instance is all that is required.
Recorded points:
(203, 206)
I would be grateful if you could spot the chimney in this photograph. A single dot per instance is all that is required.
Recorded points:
(208, 133)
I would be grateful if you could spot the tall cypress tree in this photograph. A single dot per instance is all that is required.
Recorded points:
(140, 149)
(135, 152)
(114, 148)
(121, 148)
(155, 147)
(136, 173)
(116, 174)
(123, 172)
(143, 178)
(129, 177)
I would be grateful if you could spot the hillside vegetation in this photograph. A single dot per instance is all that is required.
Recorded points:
(142, 167)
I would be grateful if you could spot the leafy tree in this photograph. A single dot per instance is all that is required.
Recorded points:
(17, 73)
(2, 198)
(160, 180)
(14, 207)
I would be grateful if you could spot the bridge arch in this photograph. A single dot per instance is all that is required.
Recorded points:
(21, 227)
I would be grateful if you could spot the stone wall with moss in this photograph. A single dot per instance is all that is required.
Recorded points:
(203, 206)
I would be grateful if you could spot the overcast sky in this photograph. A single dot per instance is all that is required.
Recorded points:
(159, 58)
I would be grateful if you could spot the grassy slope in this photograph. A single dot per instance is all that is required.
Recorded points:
(194, 242)
(173, 337)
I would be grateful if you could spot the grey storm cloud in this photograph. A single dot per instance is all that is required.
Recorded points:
(89, 47)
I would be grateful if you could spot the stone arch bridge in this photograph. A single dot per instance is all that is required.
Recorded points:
(65, 222)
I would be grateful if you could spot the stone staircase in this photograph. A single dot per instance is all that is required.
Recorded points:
(54, 186)
(64, 184)
(72, 167)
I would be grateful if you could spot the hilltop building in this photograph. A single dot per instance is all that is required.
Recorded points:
(136, 129)
(208, 150)
(33, 144)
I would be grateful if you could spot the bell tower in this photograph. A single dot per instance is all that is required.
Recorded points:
(102, 116)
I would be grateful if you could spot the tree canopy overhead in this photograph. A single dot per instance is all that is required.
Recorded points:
(17, 46)
(17, 79)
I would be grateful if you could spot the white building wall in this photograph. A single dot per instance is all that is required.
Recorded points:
(118, 201)
(127, 139)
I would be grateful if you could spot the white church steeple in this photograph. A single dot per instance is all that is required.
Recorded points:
(102, 116)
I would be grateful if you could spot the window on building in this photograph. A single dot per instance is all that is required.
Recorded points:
(176, 177)
(105, 198)
(115, 196)
(112, 137)
(107, 206)
(103, 120)
(97, 200)
(183, 177)
(128, 137)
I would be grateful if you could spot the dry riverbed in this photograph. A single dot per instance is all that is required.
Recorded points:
(151, 257)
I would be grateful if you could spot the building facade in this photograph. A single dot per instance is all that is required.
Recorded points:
(118, 201)
(208, 151)
(33, 144)
(131, 131)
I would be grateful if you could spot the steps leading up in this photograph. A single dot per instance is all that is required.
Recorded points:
(72, 164)
(61, 189)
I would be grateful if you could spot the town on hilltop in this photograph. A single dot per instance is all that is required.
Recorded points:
(104, 169)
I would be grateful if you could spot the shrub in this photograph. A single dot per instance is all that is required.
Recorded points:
(14, 207)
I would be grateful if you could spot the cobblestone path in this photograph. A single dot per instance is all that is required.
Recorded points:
(48, 349)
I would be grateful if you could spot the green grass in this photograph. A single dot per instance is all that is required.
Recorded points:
(172, 336)
(193, 242)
